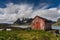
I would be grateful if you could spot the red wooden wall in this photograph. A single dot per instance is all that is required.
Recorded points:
(38, 24)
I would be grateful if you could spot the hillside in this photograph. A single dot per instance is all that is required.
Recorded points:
(57, 23)
(27, 35)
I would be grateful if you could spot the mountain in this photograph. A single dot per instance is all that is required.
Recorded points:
(23, 21)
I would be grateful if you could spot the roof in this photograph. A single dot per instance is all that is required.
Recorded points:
(39, 17)
(56, 27)
(46, 20)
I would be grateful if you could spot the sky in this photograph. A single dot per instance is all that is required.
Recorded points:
(11, 10)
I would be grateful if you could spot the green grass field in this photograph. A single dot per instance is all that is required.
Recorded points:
(27, 35)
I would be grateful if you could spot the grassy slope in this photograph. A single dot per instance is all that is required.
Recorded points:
(27, 35)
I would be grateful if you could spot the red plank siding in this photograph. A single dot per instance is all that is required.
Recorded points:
(38, 24)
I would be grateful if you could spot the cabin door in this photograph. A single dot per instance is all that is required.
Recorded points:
(38, 25)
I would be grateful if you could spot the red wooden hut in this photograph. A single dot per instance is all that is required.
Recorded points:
(40, 23)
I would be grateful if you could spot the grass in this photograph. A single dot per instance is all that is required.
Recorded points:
(27, 35)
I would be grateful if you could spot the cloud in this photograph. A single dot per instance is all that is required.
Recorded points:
(47, 13)
(14, 11)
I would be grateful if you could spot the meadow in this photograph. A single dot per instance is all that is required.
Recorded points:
(28, 35)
